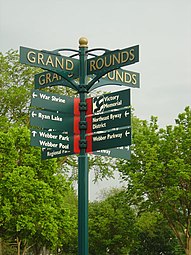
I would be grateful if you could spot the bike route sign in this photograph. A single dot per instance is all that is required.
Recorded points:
(108, 102)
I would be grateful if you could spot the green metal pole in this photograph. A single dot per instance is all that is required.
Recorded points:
(83, 159)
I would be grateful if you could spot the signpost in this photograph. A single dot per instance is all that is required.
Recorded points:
(100, 125)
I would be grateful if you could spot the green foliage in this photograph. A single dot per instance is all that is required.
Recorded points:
(111, 225)
(159, 173)
(34, 204)
(153, 236)
(15, 84)
(38, 205)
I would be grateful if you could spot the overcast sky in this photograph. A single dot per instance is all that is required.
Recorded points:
(162, 29)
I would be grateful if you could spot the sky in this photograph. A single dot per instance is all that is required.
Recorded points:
(162, 29)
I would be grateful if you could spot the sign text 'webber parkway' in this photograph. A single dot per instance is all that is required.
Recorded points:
(110, 139)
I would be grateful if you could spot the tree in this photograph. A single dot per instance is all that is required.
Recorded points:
(111, 225)
(153, 236)
(23, 172)
(16, 82)
(159, 173)
(34, 210)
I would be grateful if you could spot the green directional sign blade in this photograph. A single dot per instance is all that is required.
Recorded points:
(64, 66)
(109, 120)
(119, 77)
(52, 101)
(120, 152)
(49, 79)
(51, 120)
(54, 153)
(112, 60)
(48, 139)
(108, 102)
(111, 139)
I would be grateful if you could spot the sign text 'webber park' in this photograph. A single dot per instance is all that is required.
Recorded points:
(51, 139)
(65, 66)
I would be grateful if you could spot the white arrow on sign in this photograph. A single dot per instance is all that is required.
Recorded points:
(34, 133)
(127, 133)
(33, 114)
(34, 95)
(126, 113)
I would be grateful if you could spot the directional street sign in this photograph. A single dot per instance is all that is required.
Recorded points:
(107, 102)
(53, 120)
(116, 77)
(119, 152)
(108, 120)
(99, 125)
(64, 66)
(111, 139)
(119, 77)
(54, 153)
(51, 139)
(48, 79)
(55, 102)
(112, 60)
